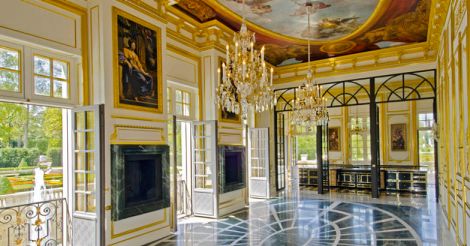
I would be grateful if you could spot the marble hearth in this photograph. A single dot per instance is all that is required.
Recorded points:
(140, 179)
(232, 165)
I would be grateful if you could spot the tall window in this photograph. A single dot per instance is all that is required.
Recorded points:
(182, 103)
(30, 138)
(10, 72)
(360, 140)
(51, 77)
(306, 142)
(425, 139)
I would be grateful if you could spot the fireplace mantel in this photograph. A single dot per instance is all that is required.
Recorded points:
(232, 166)
(140, 179)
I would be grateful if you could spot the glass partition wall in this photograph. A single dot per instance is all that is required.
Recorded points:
(379, 136)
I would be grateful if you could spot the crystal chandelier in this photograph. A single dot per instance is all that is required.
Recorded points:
(310, 106)
(358, 127)
(245, 80)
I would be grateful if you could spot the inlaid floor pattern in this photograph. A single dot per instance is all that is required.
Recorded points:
(311, 222)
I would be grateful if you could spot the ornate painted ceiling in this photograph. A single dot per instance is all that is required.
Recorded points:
(341, 27)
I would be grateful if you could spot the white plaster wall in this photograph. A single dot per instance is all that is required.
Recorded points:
(41, 24)
(130, 231)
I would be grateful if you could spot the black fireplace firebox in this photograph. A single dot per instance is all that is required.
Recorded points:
(232, 172)
(140, 179)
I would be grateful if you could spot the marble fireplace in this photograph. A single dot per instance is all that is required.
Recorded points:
(232, 166)
(140, 179)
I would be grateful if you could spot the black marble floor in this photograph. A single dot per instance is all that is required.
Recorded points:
(311, 222)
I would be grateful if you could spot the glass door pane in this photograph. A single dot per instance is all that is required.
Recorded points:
(87, 210)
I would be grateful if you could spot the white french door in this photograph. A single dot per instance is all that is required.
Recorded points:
(204, 168)
(258, 162)
(87, 207)
(183, 167)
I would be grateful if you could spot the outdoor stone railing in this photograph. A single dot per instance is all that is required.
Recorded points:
(26, 197)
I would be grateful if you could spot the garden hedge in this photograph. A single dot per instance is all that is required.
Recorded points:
(55, 155)
(11, 157)
(5, 186)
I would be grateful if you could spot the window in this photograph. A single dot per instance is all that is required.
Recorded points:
(425, 139)
(31, 144)
(39, 76)
(10, 72)
(182, 103)
(51, 77)
(360, 139)
(85, 124)
(426, 120)
(259, 152)
(203, 156)
(306, 148)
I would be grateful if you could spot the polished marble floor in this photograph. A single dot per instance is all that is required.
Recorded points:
(306, 221)
(302, 217)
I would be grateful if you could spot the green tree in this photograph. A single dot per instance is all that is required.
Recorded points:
(306, 144)
(12, 120)
(53, 127)
(9, 80)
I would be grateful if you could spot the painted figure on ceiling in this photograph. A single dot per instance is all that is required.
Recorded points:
(258, 7)
(302, 9)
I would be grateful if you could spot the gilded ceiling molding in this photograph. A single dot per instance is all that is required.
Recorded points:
(198, 9)
(156, 12)
(379, 59)
(184, 29)
(439, 10)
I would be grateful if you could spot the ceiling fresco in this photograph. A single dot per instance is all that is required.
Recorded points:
(340, 27)
(330, 20)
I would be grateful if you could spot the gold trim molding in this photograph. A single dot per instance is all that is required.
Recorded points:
(115, 138)
(360, 62)
(120, 234)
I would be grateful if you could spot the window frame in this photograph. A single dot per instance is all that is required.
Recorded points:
(426, 119)
(424, 129)
(26, 76)
(72, 74)
(183, 103)
(21, 78)
(366, 140)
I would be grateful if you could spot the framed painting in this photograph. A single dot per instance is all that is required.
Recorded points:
(334, 139)
(224, 115)
(398, 137)
(137, 58)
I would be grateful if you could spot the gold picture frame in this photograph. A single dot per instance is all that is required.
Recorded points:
(398, 137)
(223, 115)
(334, 139)
(137, 81)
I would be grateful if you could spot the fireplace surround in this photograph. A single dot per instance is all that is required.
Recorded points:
(232, 162)
(140, 179)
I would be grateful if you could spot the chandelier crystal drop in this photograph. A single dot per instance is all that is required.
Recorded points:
(245, 78)
(309, 108)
